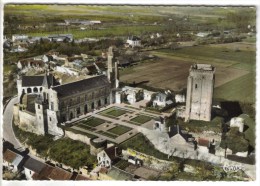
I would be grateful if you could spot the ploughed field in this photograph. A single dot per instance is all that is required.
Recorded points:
(235, 68)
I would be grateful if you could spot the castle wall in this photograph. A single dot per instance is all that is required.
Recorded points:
(28, 121)
(78, 137)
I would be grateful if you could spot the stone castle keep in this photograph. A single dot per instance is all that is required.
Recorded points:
(200, 92)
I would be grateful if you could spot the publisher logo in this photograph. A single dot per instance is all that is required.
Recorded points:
(232, 168)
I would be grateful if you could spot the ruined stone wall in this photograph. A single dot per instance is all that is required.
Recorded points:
(28, 121)
(78, 137)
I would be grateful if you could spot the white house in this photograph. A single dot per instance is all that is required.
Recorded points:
(133, 41)
(148, 95)
(179, 98)
(19, 37)
(12, 160)
(107, 156)
(237, 122)
(31, 167)
(161, 100)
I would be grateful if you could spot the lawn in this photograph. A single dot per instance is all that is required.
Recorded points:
(119, 130)
(107, 134)
(92, 122)
(141, 119)
(113, 112)
(199, 126)
(241, 89)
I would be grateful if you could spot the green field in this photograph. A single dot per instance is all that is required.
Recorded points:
(199, 126)
(113, 112)
(141, 119)
(119, 30)
(240, 89)
(219, 55)
(92, 122)
(107, 134)
(119, 130)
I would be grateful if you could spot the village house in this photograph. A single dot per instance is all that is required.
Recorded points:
(108, 156)
(162, 100)
(31, 167)
(30, 63)
(16, 38)
(133, 41)
(180, 139)
(12, 160)
(61, 37)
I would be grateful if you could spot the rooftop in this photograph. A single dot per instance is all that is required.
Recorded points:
(82, 85)
(34, 165)
(205, 67)
(60, 174)
(32, 81)
(12, 157)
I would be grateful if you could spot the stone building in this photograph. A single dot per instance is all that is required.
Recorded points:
(200, 92)
(56, 104)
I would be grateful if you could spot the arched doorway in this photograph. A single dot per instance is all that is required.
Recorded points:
(99, 103)
(105, 101)
(92, 105)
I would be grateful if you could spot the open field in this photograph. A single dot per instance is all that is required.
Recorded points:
(235, 70)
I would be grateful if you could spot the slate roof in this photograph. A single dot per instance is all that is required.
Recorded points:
(81, 86)
(177, 130)
(34, 165)
(31, 81)
(112, 152)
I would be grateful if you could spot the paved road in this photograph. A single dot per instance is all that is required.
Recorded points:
(8, 133)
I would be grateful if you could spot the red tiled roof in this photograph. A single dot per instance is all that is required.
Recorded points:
(203, 142)
(60, 174)
(81, 177)
(9, 156)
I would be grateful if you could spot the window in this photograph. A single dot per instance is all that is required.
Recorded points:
(196, 86)
(50, 118)
(40, 117)
(39, 107)
(52, 106)
(86, 97)
(78, 110)
(70, 102)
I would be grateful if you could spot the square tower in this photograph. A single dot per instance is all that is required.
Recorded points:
(200, 92)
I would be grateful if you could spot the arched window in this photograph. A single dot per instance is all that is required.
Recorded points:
(35, 89)
(196, 86)
(86, 108)
(40, 89)
(92, 105)
(29, 90)
(99, 103)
